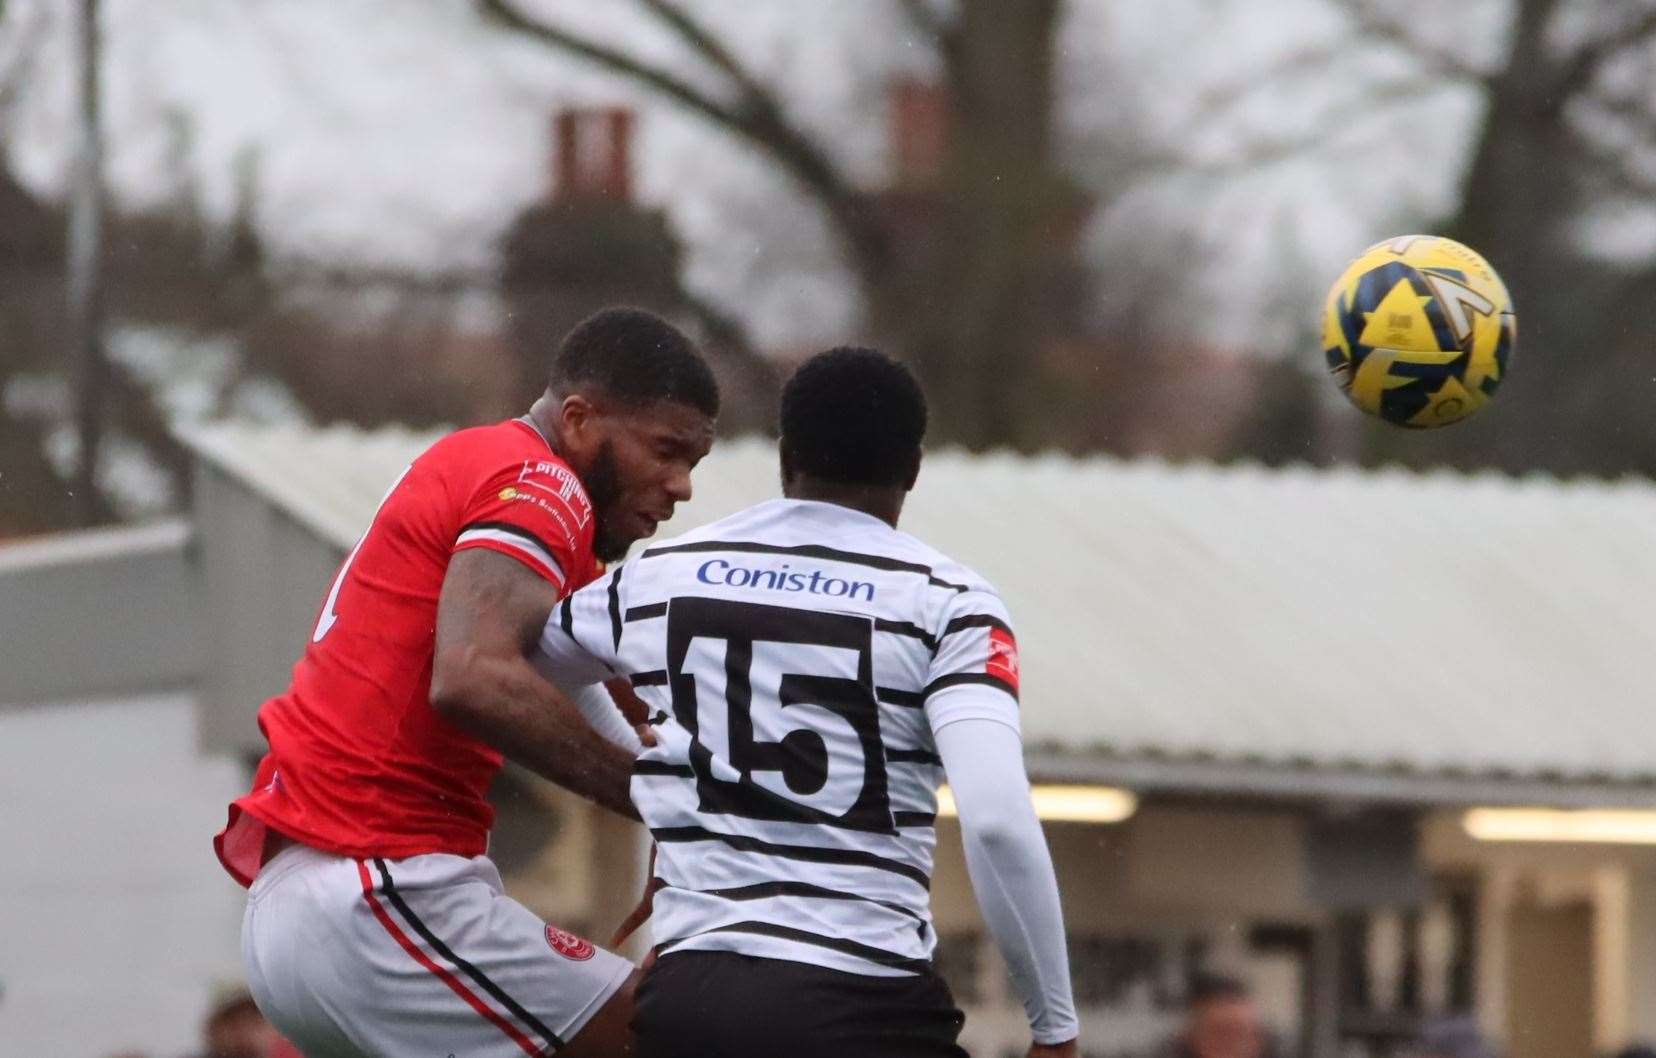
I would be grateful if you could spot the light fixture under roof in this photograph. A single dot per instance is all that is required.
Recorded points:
(1599, 826)
(1066, 803)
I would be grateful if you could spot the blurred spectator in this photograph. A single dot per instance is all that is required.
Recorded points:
(1456, 1037)
(1222, 1021)
(236, 1029)
(1638, 1050)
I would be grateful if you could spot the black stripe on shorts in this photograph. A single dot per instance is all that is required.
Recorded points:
(482, 979)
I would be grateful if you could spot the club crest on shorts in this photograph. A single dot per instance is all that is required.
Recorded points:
(567, 944)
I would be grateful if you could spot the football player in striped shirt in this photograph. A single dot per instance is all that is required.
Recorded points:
(816, 674)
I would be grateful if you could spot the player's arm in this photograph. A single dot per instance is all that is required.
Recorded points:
(490, 616)
(1012, 875)
(598, 704)
(972, 708)
(578, 652)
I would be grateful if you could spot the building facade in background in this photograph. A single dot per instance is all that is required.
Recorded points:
(1258, 709)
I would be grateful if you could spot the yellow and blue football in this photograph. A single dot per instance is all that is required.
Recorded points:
(1419, 330)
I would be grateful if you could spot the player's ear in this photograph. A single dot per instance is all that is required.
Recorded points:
(786, 464)
(577, 425)
(913, 474)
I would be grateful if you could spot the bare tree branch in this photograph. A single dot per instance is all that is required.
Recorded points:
(1631, 114)
(728, 341)
(504, 14)
(696, 35)
(1370, 20)
(1304, 59)
(295, 272)
(22, 47)
(1618, 169)
(927, 19)
(758, 106)
(1588, 60)
(755, 115)
(1269, 150)
(1217, 101)
(1614, 169)
(1628, 170)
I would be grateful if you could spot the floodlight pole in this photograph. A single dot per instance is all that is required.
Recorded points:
(85, 260)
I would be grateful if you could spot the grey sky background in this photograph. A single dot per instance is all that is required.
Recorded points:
(409, 133)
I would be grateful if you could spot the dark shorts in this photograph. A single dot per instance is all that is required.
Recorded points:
(697, 1004)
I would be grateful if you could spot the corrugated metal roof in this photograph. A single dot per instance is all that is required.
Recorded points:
(330, 480)
(1340, 620)
(80, 546)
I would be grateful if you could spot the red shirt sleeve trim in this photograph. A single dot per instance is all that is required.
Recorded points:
(537, 560)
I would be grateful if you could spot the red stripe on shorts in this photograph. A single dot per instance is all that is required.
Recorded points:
(443, 975)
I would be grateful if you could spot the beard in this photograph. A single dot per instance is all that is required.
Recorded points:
(603, 488)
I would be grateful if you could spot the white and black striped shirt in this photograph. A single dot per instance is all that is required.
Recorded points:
(798, 656)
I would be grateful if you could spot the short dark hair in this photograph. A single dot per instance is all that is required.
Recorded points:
(1211, 988)
(854, 416)
(637, 358)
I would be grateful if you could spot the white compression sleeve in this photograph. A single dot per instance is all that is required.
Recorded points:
(604, 715)
(1011, 869)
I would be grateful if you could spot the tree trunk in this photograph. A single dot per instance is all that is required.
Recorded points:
(1513, 206)
(973, 308)
(1517, 206)
(85, 291)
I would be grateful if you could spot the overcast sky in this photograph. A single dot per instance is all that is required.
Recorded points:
(408, 132)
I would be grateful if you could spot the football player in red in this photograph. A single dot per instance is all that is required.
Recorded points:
(375, 924)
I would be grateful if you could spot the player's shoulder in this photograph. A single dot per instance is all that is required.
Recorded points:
(945, 571)
(512, 439)
(513, 447)
(789, 526)
(746, 526)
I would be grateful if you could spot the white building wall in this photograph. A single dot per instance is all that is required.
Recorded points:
(116, 923)
(1641, 950)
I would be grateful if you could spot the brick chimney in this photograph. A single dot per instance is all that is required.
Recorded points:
(919, 133)
(592, 154)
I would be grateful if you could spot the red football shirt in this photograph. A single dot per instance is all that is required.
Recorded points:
(359, 763)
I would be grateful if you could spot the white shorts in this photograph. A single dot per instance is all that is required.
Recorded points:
(421, 956)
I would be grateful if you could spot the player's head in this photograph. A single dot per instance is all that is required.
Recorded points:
(632, 405)
(852, 423)
(236, 1029)
(1223, 1020)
